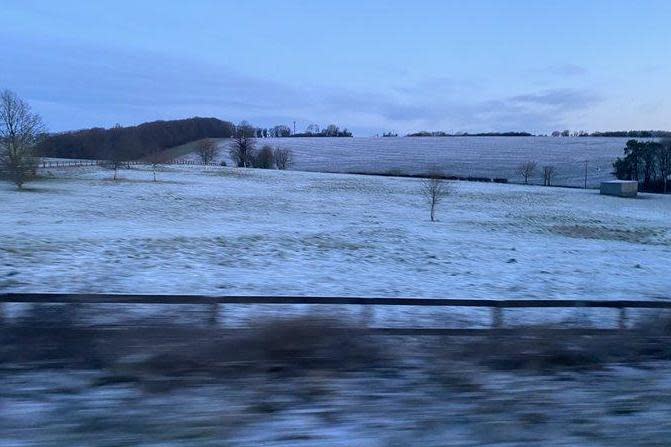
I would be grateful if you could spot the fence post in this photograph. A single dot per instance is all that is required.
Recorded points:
(497, 317)
(214, 314)
(367, 315)
(622, 323)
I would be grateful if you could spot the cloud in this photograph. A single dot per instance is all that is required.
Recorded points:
(79, 86)
(438, 86)
(534, 111)
(137, 84)
(565, 70)
(561, 99)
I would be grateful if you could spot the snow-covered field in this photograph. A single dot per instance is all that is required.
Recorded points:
(229, 231)
(222, 230)
(464, 156)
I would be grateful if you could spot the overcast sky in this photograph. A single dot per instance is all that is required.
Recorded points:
(371, 66)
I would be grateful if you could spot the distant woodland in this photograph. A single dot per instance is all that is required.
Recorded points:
(129, 143)
(132, 142)
(425, 133)
(556, 133)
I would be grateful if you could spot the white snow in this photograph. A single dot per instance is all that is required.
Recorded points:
(223, 231)
(618, 407)
(462, 156)
(232, 231)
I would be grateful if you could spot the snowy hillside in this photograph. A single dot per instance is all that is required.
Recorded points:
(462, 156)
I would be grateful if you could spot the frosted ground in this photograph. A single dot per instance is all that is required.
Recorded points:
(463, 156)
(620, 407)
(228, 231)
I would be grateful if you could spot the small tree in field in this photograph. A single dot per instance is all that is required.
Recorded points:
(156, 158)
(20, 130)
(283, 158)
(434, 190)
(243, 150)
(207, 151)
(526, 170)
(548, 173)
(119, 148)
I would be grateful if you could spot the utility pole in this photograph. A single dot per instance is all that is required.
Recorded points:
(585, 174)
(294, 128)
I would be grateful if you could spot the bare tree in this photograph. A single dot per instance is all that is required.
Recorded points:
(548, 173)
(265, 159)
(115, 165)
(243, 150)
(119, 148)
(283, 158)
(246, 129)
(20, 130)
(434, 190)
(312, 129)
(207, 151)
(156, 158)
(526, 170)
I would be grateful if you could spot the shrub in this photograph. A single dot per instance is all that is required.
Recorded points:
(283, 158)
(50, 335)
(265, 158)
(395, 172)
(207, 150)
(479, 179)
(535, 349)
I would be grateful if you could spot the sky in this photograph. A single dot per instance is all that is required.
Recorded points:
(371, 66)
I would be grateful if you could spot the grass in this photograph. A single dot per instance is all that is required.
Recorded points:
(177, 151)
(50, 336)
(540, 349)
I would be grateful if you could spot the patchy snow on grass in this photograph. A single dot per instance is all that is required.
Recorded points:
(603, 408)
(229, 231)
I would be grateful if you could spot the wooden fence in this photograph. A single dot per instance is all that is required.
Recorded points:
(496, 307)
(49, 164)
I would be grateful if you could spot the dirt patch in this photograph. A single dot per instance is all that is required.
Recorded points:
(635, 236)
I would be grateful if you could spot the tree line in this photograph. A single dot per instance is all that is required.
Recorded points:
(24, 139)
(425, 133)
(614, 134)
(556, 133)
(244, 154)
(647, 162)
(313, 130)
(132, 142)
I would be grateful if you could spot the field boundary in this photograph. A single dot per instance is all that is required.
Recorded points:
(104, 163)
(43, 164)
(496, 307)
